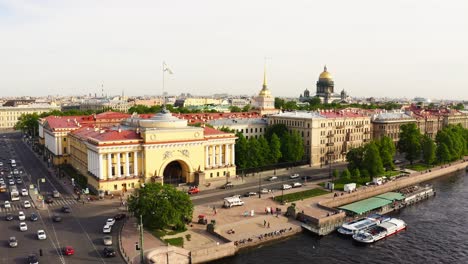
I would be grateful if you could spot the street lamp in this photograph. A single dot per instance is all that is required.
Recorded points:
(259, 185)
(142, 259)
(38, 184)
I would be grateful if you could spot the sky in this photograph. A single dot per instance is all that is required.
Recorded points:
(397, 48)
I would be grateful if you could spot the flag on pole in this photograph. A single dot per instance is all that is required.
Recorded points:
(166, 68)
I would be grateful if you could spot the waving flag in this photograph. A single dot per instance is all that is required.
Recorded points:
(166, 68)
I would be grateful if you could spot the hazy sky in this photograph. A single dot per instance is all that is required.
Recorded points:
(397, 48)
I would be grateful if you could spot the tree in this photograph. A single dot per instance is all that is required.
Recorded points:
(314, 102)
(443, 153)
(279, 129)
(345, 174)
(410, 141)
(356, 173)
(253, 153)
(161, 206)
(354, 158)
(428, 150)
(246, 108)
(336, 173)
(241, 149)
(387, 152)
(28, 123)
(235, 109)
(264, 152)
(291, 105)
(279, 103)
(459, 106)
(275, 149)
(372, 161)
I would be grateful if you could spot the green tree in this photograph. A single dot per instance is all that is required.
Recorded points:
(410, 141)
(139, 109)
(275, 149)
(264, 151)
(356, 173)
(235, 109)
(279, 129)
(372, 161)
(428, 150)
(297, 146)
(291, 105)
(354, 158)
(459, 106)
(345, 174)
(226, 129)
(246, 108)
(161, 206)
(336, 173)
(314, 102)
(28, 123)
(387, 152)
(279, 103)
(443, 153)
(241, 149)
(253, 153)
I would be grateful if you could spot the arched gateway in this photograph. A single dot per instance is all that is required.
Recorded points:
(176, 172)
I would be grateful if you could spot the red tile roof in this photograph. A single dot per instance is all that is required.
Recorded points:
(194, 118)
(211, 131)
(116, 135)
(338, 114)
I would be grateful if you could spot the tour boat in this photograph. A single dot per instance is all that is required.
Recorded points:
(382, 230)
(355, 226)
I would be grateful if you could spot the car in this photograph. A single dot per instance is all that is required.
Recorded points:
(11, 182)
(9, 217)
(107, 229)
(15, 171)
(193, 190)
(41, 234)
(68, 251)
(294, 176)
(227, 185)
(66, 209)
(109, 252)
(32, 259)
(56, 218)
(286, 187)
(265, 190)
(306, 178)
(107, 240)
(119, 216)
(248, 194)
(19, 181)
(272, 178)
(27, 204)
(24, 192)
(56, 194)
(9, 176)
(23, 226)
(49, 200)
(7, 204)
(13, 242)
(34, 217)
(110, 221)
(297, 185)
(21, 216)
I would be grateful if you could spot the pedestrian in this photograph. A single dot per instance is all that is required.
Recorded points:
(215, 211)
(264, 223)
(268, 224)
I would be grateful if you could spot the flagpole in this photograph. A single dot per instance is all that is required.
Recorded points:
(164, 96)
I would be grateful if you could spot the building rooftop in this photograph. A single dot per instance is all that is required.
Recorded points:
(238, 121)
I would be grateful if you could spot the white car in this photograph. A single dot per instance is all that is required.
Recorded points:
(23, 226)
(11, 182)
(110, 221)
(294, 176)
(297, 185)
(107, 229)
(24, 192)
(272, 178)
(7, 204)
(286, 187)
(27, 204)
(21, 216)
(41, 234)
(265, 190)
(16, 171)
(107, 240)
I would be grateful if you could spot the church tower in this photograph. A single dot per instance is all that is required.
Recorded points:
(325, 86)
(265, 102)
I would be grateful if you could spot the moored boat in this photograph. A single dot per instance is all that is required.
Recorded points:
(382, 230)
(355, 226)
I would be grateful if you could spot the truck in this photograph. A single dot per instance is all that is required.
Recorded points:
(232, 201)
(14, 194)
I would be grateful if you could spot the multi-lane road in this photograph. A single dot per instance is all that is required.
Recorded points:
(81, 229)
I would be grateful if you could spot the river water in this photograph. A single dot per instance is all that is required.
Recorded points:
(437, 233)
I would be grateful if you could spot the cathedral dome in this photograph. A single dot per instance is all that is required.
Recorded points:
(325, 75)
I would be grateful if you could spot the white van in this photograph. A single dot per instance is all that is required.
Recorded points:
(13, 163)
(232, 201)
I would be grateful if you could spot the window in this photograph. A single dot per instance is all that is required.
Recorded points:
(211, 175)
(64, 150)
(130, 155)
(217, 174)
(112, 156)
(121, 155)
(132, 184)
(115, 187)
(64, 139)
(112, 171)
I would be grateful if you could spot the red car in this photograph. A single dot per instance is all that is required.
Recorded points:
(68, 251)
(193, 190)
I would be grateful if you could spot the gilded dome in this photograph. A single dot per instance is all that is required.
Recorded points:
(265, 92)
(325, 74)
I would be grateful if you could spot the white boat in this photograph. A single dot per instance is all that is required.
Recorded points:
(376, 233)
(355, 226)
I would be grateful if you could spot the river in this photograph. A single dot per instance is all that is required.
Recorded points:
(437, 233)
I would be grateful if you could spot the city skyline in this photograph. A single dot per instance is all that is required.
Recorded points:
(398, 49)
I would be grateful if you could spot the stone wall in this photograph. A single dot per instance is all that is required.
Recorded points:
(213, 253)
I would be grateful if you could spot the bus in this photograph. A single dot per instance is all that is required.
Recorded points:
(14, 194)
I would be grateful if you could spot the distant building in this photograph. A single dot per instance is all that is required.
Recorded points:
(102, 104)
(9, 115)
(388, 124)
(265, 102)
(249, 127)
(325, 90)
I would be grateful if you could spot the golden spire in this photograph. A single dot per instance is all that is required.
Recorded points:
(325, 68)
(264, 76)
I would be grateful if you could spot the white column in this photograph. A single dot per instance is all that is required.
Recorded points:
(233, 154)
(207, 157)
(118, 174)
(220, 150)
(213, 155)
(109, 166)
(135, 163)
(226, 156)
(127, 164)
(101, 176)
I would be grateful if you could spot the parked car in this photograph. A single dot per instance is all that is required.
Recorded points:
(227, 185)
(193, 190)
(32, 259)
(7, 204)
(107, 229)
(49, 200)
(9, 217)
(13, 242)
(66, 209)
(56, 194)
(57, 218)
(41, 235)
(110, 221)
(119, 216)
(248, 194)
(265, 190)
(24, 192)
(19, 181)
(68, 251)
(286, 187)
(107, 240)
(23, 226)
(34, 217)
(27, 204)
(21, 216)
(272, 178)
(294, 176)
(109, 252)
(11, 182)
(297, 185)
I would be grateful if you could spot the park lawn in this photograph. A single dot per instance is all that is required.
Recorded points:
(291, 197)
(391, 173)
(161, 233)
(176, 241)
(418, 167)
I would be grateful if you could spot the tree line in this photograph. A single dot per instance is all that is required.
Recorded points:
(314, 103)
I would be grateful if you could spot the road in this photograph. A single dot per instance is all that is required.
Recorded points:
(81, 229)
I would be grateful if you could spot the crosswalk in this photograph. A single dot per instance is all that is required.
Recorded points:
(56, 204)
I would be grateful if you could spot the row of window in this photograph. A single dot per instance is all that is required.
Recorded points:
(257, 130)
(217, 174)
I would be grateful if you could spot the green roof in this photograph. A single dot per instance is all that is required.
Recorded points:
(365, 205)
(392, 196)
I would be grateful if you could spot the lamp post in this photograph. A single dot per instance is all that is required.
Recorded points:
(142, 258)
(259, 185)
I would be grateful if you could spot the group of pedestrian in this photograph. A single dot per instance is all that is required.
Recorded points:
(266, 224)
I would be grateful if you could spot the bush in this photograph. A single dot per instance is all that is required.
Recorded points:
(176, 241)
